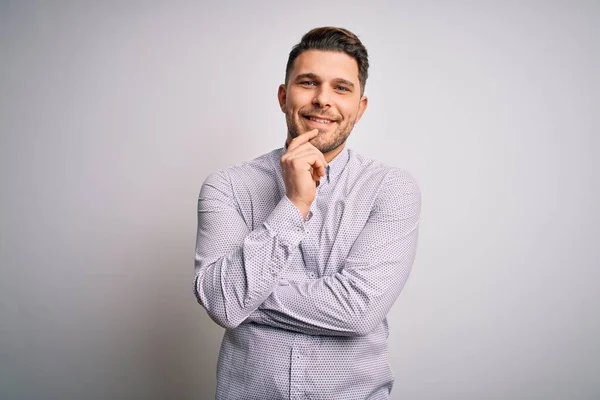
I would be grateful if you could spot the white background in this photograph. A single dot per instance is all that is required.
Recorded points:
(112, 114)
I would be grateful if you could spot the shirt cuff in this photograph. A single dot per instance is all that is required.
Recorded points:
(286, 222)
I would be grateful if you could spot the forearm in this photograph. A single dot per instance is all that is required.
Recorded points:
(348, 303)
(236, 283)
(291, 307)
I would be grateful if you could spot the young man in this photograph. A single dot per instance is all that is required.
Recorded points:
(302, 252)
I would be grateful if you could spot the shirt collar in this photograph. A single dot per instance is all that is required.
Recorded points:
(337, 165)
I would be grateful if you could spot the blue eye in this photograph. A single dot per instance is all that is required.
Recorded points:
(308, 83)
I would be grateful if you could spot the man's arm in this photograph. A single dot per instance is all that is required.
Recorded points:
(236, 269)
(355, 300)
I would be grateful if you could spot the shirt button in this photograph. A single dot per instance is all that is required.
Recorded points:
(311, 274)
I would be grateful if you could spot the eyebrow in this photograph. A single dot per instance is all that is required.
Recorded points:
(309, 75)
(312, 76)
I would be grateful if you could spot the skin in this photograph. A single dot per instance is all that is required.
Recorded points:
(324, 85)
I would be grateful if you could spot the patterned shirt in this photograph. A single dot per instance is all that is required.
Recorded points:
(304, 302)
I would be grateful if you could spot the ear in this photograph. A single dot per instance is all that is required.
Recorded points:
(362, 107)
(281, 96)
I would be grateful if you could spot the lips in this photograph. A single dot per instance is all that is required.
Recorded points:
(318, 119)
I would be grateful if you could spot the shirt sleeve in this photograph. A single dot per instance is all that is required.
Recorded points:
(236, 268)
(354, 301)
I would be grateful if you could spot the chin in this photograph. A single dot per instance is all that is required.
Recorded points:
(325, 146)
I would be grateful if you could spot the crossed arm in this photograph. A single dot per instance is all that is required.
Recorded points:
(237, 270)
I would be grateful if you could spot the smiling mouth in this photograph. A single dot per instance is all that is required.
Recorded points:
(318, 120)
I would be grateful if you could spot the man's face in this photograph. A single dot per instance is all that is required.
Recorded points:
(323, 92)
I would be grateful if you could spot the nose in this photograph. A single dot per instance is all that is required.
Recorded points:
(322, 97)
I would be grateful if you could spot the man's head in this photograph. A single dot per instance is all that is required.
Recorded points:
(324, 85)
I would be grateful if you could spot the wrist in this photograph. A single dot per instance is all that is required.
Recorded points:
(302, 207)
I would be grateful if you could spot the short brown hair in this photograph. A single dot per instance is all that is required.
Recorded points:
(329, 38)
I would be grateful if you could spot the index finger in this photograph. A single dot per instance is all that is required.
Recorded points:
(302, 138)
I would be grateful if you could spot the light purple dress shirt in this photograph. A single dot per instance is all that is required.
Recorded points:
(304, 303)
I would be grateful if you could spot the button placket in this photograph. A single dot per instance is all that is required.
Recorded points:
(299, 360)
(298, 372)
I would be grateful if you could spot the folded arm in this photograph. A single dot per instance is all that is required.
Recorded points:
(237, 269)
(355, 300)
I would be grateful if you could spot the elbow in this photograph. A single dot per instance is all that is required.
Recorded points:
(224, 322)
(363, 326)
(362, 315)
(219, 315)
(217, 312)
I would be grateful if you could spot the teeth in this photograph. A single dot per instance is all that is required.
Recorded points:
(323, 121)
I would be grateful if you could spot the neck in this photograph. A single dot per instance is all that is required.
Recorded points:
(330, 155)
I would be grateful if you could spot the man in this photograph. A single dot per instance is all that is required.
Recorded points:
(302, 252)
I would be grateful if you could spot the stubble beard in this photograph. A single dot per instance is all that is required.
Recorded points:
(337, 137)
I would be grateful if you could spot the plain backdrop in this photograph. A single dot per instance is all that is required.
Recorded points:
(112, 114)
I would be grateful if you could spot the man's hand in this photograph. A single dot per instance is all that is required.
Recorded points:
(303, 165)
